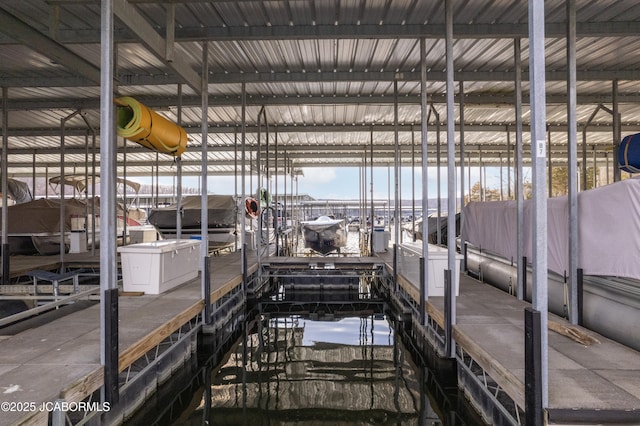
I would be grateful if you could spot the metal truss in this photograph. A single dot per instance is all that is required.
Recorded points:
(476, 378)
(147, 371)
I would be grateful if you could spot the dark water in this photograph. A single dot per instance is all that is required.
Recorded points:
(343, 362)
(295, 371)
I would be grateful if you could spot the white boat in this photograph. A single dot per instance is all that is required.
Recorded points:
(324, 234)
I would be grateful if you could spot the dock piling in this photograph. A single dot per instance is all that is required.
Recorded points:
(533, 368)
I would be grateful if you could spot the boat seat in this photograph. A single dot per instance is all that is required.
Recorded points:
(54, 278)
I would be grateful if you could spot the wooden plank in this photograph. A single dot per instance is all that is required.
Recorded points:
(225, 288)
(505, 378)
(436, 314)
(151, 340)
(80, 389)
(408, 286)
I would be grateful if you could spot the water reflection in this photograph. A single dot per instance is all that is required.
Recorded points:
(296, 371)
(312, 357)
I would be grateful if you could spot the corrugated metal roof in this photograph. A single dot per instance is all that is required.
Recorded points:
(323, 70)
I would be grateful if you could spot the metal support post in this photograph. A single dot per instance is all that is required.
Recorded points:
(108, 259)
(5, 185)
(465, 253)
(523, 275)
(423, 293)
(395, 268)
(425, 167)
(449, 312)
(111, 368)
(451, 180)
(206, 283)
(534, 410)
(579, 296)
(572, 142)
(520, 285)
(5, 262)
(617, 128)
(540, 294)
(245, 274)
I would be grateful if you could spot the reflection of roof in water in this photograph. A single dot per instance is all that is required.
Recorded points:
(281, 375)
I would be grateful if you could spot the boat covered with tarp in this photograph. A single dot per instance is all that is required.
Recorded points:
(18, 191)
(34, 227)
(222, 211)
(324, 234)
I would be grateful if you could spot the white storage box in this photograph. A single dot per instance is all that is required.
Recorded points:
(158, 266)
(78, 242)
(380, 240)
(409, 265)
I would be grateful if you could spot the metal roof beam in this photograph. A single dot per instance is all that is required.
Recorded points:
(337, 128)
(356, 149)
(319, 77)
(136, 22)
(471, 99)
(56, 52)
(354, 31)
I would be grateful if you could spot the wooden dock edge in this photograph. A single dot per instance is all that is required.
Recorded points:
(153, 339)
(503, 377)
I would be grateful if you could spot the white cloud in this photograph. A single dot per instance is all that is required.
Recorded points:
(318, 175)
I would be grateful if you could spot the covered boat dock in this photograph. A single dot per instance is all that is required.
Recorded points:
(263, 90)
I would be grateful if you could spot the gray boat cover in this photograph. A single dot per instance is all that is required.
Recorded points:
(608, 229)
(43, 216)
(19, 191)
(221, 213)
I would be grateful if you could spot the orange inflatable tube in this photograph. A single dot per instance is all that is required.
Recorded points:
(139, 123)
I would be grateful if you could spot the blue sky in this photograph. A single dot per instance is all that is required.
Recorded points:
(343, 182)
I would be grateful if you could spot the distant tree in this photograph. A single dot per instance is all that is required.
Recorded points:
(559, 181)
(477, 192)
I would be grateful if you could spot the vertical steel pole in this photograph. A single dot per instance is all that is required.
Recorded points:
(508, 164)
(259, 190)
(179, 174)
(549, 163)
(413, 184)
(364, 222)
(108, 259)
(538, 159)
(283, 213)
(534, 412)
(62, 188)
(451, 177)
(396, 171)
(424, 110)
(572, 160)
(425, 227)
(462, 189)
(204, 200)
(5, 185)
(33, 170)
(243, 222)
(517, 53)
(617, 129)
(461, 112)
(239, 204)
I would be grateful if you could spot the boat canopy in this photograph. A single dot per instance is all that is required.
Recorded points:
(81, 182)
(18, 191)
